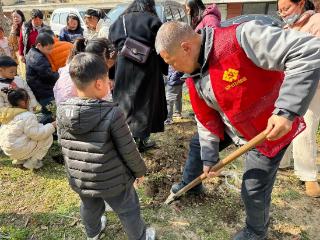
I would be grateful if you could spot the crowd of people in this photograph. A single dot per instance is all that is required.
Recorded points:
(242, 80)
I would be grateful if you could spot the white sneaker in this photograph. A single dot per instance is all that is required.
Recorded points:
(39, 164)
(31, 164)
(150, 233)
(107, 207)
(103, 226)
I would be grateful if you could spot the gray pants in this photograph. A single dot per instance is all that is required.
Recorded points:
(174, 98)
(127, 207)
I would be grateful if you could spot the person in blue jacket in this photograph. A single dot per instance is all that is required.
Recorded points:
(73, 30)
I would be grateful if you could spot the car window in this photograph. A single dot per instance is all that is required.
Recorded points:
(168, 13)
(63, 18)
(159, 13)
(175, 13)
(244, 18)
(116, 12)
(182, 15)
(55, 18)
(82, 14)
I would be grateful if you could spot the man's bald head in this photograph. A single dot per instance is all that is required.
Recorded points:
(171, 35)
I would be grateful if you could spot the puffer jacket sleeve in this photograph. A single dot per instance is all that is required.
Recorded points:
(35, 130)
(125, 144)
(62, 35)
(44, 71)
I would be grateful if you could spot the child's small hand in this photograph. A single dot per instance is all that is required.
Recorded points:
(22, 58)
(138, 182)
(54, 124)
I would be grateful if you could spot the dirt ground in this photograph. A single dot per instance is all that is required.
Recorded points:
(293, 215)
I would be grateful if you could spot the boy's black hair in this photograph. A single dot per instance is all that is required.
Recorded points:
(1, 29)
(36, 13)
(6, 61)
(16, 95)
(44, 39)
(86, 68)
(98, 13)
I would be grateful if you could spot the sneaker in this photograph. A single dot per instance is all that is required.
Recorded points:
(58, 158)
(177, 115)
(197, 190)
(31, 164)
(39, 164)
(107, 207)
(150, 233)
(312, 189)
(145, 144)
(168, 121)
(246, 234)
(103, 226)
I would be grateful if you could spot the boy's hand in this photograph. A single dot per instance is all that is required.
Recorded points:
(138, 182)
(277, 127)
(54, 124)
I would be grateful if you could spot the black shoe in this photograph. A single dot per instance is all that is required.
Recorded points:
(246, 234)
(197, 190)
(145, 144)
(58, 159)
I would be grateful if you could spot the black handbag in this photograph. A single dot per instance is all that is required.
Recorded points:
(134, 49)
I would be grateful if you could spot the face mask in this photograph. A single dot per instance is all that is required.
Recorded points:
(290, 20)
(36, 27)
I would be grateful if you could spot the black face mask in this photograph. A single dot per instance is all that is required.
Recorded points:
(6, 80)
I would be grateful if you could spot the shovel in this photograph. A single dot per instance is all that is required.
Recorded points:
(231, 157)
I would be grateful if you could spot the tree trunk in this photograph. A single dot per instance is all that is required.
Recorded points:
(4, 21)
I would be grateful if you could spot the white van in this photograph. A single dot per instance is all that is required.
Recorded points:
(59, 16)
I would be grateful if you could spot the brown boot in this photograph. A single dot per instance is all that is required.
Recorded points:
(312, 189)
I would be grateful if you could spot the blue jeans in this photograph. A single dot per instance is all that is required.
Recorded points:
(174, 98)
(257, 182)
(194, 165)
(127, 207)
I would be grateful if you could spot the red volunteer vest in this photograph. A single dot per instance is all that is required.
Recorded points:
(244, 92)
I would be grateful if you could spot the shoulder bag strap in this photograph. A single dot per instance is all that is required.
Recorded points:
(124, 26)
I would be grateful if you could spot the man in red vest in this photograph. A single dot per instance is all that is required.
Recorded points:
(242, 80)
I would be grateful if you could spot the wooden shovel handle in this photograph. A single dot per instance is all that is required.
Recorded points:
(231, 157)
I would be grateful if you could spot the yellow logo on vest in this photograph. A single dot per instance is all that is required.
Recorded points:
(230, 75)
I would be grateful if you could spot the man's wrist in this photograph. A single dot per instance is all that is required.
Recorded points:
(284, 113)
(208, 163)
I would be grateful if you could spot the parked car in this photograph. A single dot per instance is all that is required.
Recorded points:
(166, 10)
(249, 17)
(59, 16)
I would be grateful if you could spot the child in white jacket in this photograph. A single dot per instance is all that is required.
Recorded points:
(23, 139)
(8, 79)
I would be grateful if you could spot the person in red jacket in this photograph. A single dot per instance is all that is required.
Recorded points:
(199, 16)
(29, 32)
(245, 79)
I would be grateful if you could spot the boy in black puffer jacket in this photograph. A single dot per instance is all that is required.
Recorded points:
(40, 76)
(101, 157)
